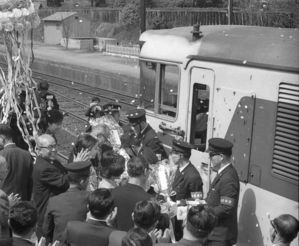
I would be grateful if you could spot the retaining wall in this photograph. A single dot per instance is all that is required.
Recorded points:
(88, 76)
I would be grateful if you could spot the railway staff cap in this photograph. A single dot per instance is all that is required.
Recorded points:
(181, 146)
(111, 107)
(136, 116)
(78, 167)
(220, 145)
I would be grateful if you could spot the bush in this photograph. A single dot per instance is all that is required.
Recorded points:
(159, 22)
(180, 3)
(119, 3)
(129, 15)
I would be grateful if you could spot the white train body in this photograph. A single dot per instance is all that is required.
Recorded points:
(236, 82)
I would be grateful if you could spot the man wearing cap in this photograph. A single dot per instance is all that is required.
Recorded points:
(148, 144)
(49, 176)
(223, 195)
(70, 205)
(47, 101)
(187, 178)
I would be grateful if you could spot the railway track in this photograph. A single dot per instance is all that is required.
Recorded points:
(74, 98)
(127, 101)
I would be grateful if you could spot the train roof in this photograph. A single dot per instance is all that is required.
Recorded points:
(274, 48)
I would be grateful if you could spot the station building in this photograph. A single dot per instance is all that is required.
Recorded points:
(65, 25)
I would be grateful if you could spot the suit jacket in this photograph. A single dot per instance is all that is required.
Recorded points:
(187, 181)
(223, 197)
(68, 206)
(125, 197)
(4, 208)
(182, 242)
(91, 233)
(151, 145)
(116, 237)
(21, 242)
(19, 176)
(48, 180)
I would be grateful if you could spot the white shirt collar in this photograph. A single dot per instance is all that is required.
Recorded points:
(183, 167)
(8, 144)
(222, 168)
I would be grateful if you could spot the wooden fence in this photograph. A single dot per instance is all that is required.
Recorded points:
(123, 50)
(183, 17)
(189, 16)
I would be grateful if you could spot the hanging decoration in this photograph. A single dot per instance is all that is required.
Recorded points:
(18, 98)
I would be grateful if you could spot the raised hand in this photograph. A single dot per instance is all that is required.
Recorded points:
(13, 199)
(83, 155)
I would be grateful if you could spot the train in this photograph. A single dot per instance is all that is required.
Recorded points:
(236, 82)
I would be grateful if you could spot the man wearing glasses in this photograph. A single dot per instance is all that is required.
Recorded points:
(49, 176)
(223, 195)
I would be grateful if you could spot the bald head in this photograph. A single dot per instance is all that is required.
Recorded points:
(46, 147)
(45, 140)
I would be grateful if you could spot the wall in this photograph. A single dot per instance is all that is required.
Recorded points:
(52, 32)
(92, 77)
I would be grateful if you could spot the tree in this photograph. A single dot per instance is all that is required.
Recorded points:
(129, 14)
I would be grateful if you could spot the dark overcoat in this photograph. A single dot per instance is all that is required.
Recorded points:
(91, 233)
(19, 177)
(223, 197)
(150, 145)
(125, 197)
(65, 207)
(187, 181)
(49, 179)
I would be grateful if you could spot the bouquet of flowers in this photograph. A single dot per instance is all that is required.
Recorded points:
(162, 177)
(17, 20)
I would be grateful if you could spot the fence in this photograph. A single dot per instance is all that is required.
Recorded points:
(211, 16)
(123, 50)
(189, 16)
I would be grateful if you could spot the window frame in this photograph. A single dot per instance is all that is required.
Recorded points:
(158, 90)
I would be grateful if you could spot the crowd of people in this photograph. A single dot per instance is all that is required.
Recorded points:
(103, 195)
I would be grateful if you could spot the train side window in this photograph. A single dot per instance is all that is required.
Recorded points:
(148, 83)
(159, 87)
(200, 114)
(168, 90)
(286, 142)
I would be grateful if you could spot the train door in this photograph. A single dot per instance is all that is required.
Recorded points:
(200, 121)
(201, 91)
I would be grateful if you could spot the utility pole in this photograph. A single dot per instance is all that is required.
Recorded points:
(142, 16)
(230, 12)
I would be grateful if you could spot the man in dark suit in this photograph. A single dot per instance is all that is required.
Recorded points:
(223, 195)
(125, 197)
(199, 223)
(146, 216)
(187, 178)
(96, 230)
(19, 164)
(49, 176)
(70, 205)
(147, 143)
(22, 221)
